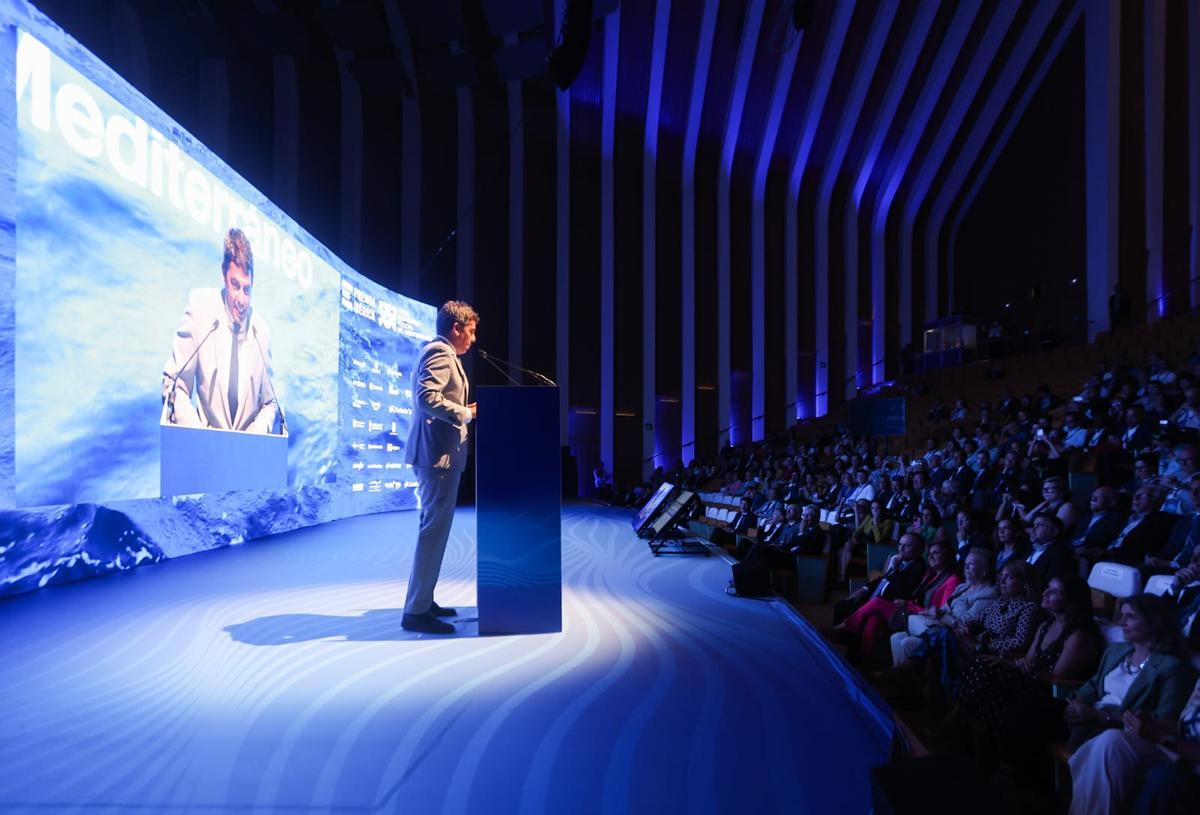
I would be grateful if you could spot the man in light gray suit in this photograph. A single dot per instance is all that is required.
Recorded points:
(437, 451)
(221, 353)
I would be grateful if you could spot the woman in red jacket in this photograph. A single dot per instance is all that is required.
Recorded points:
(867, 628)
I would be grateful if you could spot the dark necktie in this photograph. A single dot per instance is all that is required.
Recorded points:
(233, 377)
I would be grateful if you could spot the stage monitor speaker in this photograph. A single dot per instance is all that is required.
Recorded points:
(672, 513)
(650, 510)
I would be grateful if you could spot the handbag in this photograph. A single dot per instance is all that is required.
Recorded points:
(898, 622)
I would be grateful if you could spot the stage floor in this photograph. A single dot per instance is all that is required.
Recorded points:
(275, 677)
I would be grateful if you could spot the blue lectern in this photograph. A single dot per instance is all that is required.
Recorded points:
(518, 510)
(201, 459)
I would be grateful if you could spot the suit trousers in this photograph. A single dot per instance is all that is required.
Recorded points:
(437, 489)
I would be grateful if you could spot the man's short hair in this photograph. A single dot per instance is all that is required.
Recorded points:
(237, 250)
(1053, 519)
(454, 311)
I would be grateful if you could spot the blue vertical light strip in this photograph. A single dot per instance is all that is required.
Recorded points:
(651, 439)
(914, 197)
(1154, 91)
(562, 253)
(1193, 23)
(516, 218)
(812, 118)
(465, 241)
(733, 123)
(864, 71)
(758, 260)
(608, 116)
(687, 232)
(901, 72)
(1102, 109)
(915, 127)
(984, 124)
(8, 265)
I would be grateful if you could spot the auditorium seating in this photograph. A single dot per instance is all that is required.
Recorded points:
(1065, 370)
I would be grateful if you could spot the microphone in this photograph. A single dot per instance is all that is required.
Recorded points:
(488, 359)
(267, 369)
(175, 379)
(542, 378)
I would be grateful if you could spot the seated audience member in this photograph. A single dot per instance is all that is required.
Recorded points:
(929, 525)
(875, 528)
(603, 480)
(745, 520)
(1145, 532)
(1010, 542)
(982, 491)
(935, 473)
(967, 534)
(1046, 401)
(865, 628)
(1005, 628)
(1051, 556)
(1075, 431)
(1178, 499)
(1056, 499)
(806, 537)
(1103, 525)
(1187, 416)
(1145, 673)
(1183, 538)
(839, 497)
(902, 574)
(1067, 646)
(1145, 472)
(768, 531)
(863, 490)
(964, 605)
(1149, 766)
(949, 499)
(1137, 434)
(898, 495)
(1184, 595)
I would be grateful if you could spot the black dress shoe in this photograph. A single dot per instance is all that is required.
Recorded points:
(439, 611)
(425, 623)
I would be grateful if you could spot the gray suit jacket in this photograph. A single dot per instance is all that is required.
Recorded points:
(438, 437)
(207, 374)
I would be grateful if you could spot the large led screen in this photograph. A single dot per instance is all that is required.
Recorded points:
(181, 365)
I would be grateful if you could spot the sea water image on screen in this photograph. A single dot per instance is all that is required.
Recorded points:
(122, 221)
(121, 276)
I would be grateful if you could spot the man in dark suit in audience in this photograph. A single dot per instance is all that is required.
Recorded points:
(745, 520)
(900, 579)
(1105, 523)
(968, 535)
(1185, 594)
(1184, 538)
(807, 537)
(983, 486)
(1145, 532)
(1051, 556)
(1137, 434)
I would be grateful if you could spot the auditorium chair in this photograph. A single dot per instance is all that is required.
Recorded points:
(1113, 582)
